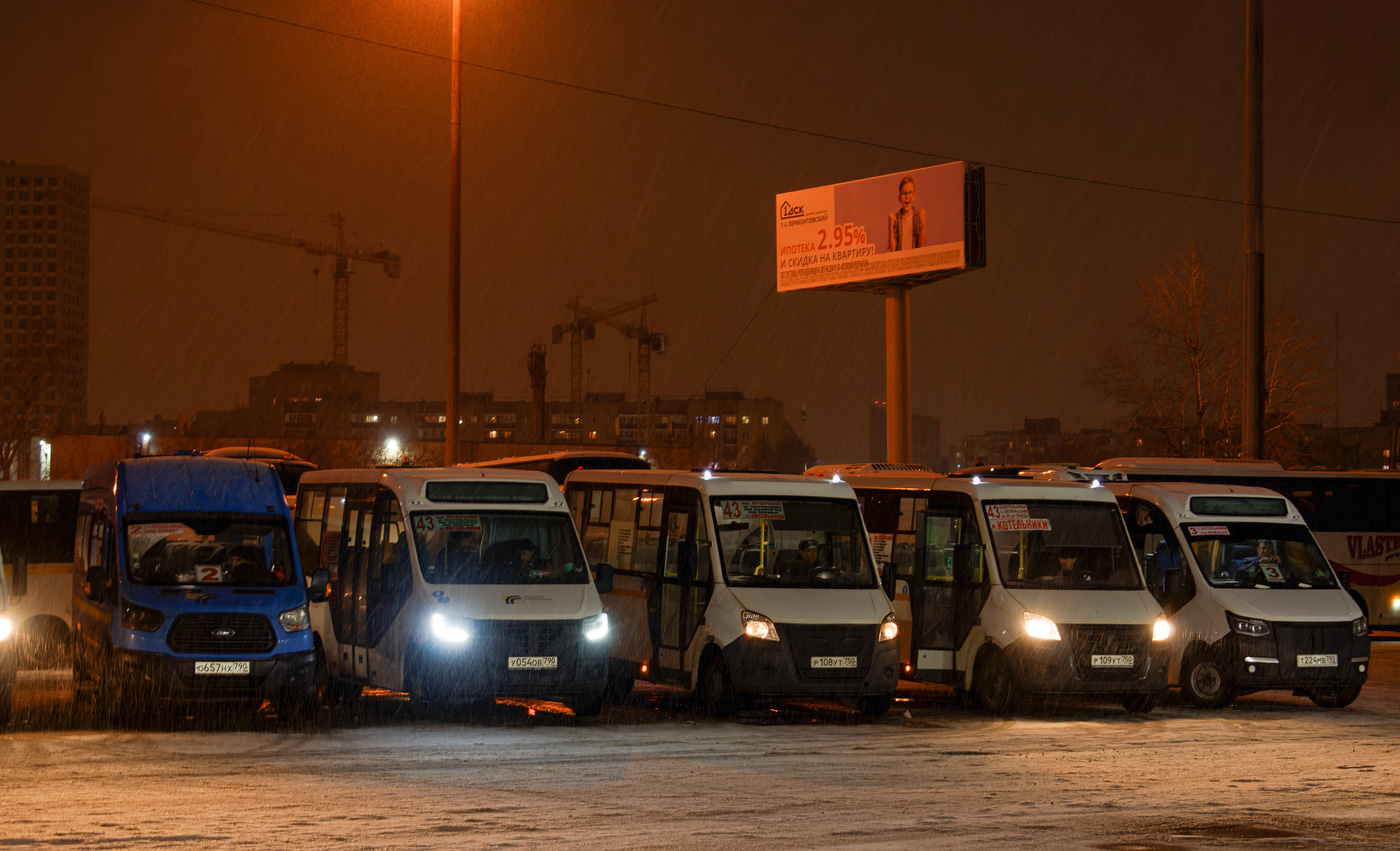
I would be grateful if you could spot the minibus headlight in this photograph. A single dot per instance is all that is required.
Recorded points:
(889, 630)
(6, 628)
(1358, 627)
(596, 627)
(295, 620)
(1161, 630)
(758, 626)
(140, 617)
(449, 630)
(1248, 626)
(1039, 626)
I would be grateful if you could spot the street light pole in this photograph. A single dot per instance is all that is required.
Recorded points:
(454, 244)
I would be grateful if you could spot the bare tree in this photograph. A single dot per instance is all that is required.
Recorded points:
(1178, 373)
(22, 394)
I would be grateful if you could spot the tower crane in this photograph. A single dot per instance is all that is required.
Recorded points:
(341, 250)
(648, 341)
(584, 328)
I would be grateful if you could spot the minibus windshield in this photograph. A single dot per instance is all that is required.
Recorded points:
(497, 548)
(1062, 545)
(792, 543)
(208, 549)
(1258, 555)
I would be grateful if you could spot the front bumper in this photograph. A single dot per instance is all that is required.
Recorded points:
(480, 668)
(173, 677)
(784, 668)
(1070, 666)
(1275, 661)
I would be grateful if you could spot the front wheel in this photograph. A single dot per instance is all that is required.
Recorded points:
(1141, 703)
(716, 690)
(875, 705)
(1205, 683)
(6, 705)
(1334, 697)
(424, 696)
(995, 686)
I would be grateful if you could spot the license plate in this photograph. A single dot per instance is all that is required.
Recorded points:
(536, 663)
(1111, 661)
(833, 661)
(222, 668)
(1317, 660)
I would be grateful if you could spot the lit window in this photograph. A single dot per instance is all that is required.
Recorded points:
(765, 421)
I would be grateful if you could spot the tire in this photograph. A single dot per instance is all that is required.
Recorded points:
(1141, 704)
(588, 705)
(425, 699)
(994, 685)
(298, 709)
(331, 692)
(1205, 683)
(716, 690)
(620, 682)
(875, 705)
(1334, 697)
(6, 706)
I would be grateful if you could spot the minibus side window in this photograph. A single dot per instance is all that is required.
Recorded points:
(595, 532)
(311, 510)
(622, 529)
(910, 509)
(883, 519)
(648, 535)
(1153, 537)
(389, 579)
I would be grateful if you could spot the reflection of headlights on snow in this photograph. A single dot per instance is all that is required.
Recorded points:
(295, 620)
(5, 628)
(596, 627)
(1038, 626)
(758, 626)
(889, 630)
(1161, 630)
(449, 630)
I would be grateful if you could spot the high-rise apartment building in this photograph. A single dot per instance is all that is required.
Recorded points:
(44, 354)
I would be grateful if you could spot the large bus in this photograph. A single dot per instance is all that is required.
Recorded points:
(1005, 589)
(37, 522)
(1354, 515)
(560, 464)
(454, 585)
(186, 587)
(1253, 602)
(739, 586)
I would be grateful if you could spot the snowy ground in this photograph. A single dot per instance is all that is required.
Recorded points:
(1271, 772)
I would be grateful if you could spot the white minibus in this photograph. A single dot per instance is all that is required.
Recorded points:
(453, 585)
(1008, 589)
(740, 586)
(1254, 603)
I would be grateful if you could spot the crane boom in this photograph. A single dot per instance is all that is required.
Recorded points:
(341, 251)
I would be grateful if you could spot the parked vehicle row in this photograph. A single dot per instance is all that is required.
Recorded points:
(193, 583)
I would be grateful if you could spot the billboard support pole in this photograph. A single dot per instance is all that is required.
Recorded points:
(898, 420)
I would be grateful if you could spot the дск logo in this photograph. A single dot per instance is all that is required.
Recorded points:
(788, 211)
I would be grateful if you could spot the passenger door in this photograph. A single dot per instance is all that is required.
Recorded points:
(683, 578)
(945, 594)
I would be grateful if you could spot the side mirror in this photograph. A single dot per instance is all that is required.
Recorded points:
(19, 578)
(320, 586)
(686, 554)
(965, 561)
(888, 577)
(603, 580)
(96, 587)
(1172, 586)
(1344, 577)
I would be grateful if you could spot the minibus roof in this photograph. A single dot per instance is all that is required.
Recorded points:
(409, 483)
(192, 482)
(722, 483)
(1174, 498)
(981, 489)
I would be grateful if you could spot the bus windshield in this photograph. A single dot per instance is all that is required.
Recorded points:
(497, 548)
(792, 543)
(1258, 555)
(1062, 545)
(208, 549)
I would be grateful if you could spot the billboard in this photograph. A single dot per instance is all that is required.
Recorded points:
(907, 227)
